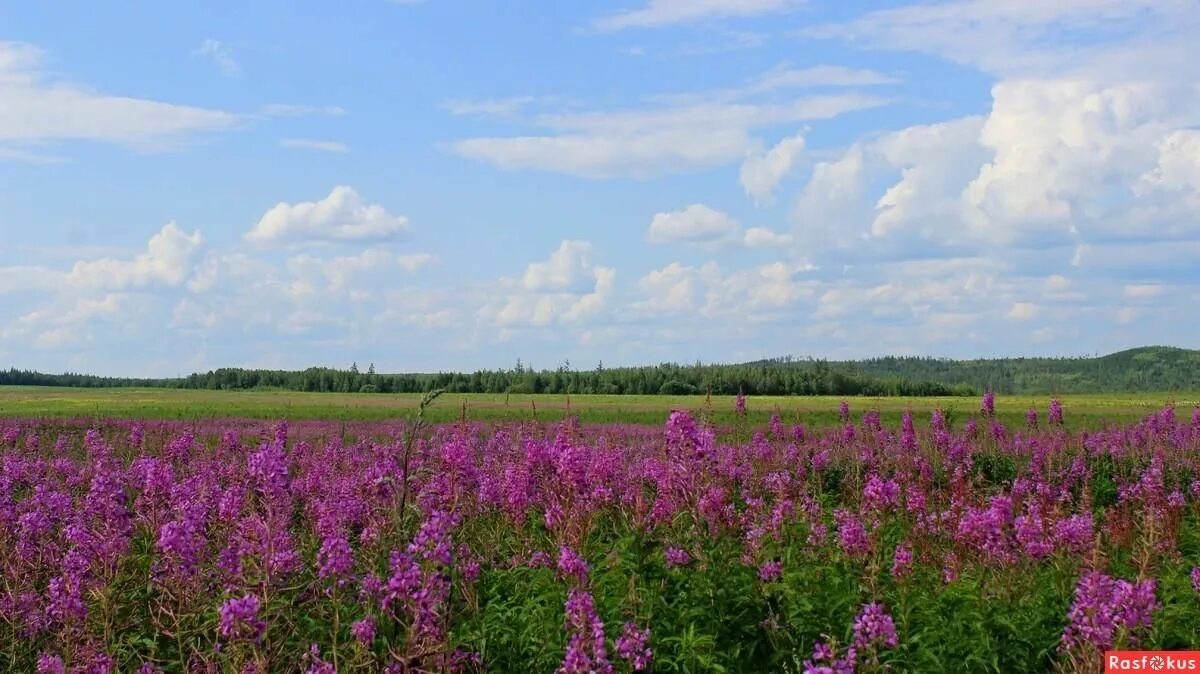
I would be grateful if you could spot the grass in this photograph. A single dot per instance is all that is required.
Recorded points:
(154, 403)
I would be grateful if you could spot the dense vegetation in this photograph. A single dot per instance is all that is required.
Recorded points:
(959, 545)
(667, 379)
(1150, 369)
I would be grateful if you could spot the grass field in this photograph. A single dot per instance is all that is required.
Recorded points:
(149, 403)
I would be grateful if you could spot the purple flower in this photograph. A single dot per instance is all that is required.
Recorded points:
(1055, 414)
(1031, 418)
(902, 561)
(676, 557)
(1106, 608)
(335, 559)
(317, 664)
(739, 405)
(874, 627)
(880, 494)
(1196, 578)
(239, 618)
(1075, 533)
(825, 660)
(988, 408)
(571, 565)
(586, 647)
(633, 647)
(851, 534)
(364, 630)
(50, 664)
(770, 571)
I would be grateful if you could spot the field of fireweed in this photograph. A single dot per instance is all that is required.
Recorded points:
(941, 545)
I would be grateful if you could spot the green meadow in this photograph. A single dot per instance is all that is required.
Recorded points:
(158, 403)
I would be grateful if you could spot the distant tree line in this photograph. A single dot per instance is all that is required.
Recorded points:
(1148, 369)
(751, 379)
(1151, 369)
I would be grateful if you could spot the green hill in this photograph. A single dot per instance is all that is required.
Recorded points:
(1145, 369)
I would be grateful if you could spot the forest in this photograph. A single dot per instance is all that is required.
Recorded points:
(1148, 369)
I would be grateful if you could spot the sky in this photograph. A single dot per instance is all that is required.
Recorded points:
(458, 184)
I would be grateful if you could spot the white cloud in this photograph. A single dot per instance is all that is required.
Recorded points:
(565, 270)
(695, 224)
(672, 288)
(220, 54)
(29, 278)
(68, 321)
(933, 160)
(666, 12)
(1022, 311)
(342, 273)
(340, 217)
(1057, 284)
(761, 237)
(566, 289)
(594, 156)
(312, 144)
(761, 172)
(1141, 291)
(1178, 166)
(27, 157)
(166, 262)
(293, 110)
(1060, 146)
(491, 107)
(783, 77)
(1017, 37)
(39, 110)
(679, 133)
(414, 261)
(749, 295)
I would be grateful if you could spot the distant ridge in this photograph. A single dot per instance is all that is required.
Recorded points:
(1142, 369)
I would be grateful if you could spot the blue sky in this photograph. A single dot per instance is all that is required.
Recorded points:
(446, 184)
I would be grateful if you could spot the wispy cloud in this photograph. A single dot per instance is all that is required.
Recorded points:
(220, 54)
(291, 110)
(311, 144)
(667, 12)
(37, 109)
(675, 132)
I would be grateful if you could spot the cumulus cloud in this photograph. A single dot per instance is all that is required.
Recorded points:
(761, 172)
(708, 292)
(566, 289)
(167, 262)
(695, 224)
(704, 226)
(761, 237)
(340, 217)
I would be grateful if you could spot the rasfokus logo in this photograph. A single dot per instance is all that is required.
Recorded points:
(1151, 661)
